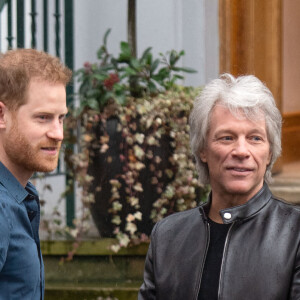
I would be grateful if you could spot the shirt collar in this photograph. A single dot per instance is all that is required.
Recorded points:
(13, 186)
(244, 211)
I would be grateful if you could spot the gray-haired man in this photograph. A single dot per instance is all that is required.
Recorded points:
(243, 243)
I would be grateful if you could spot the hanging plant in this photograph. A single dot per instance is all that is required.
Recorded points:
(134, 163)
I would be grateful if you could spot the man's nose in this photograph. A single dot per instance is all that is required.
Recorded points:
(241, 148)
(56, 131)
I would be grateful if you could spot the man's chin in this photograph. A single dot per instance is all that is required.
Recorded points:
(45, 168)
(243, 188)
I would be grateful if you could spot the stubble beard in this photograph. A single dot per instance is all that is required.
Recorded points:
(27, 156)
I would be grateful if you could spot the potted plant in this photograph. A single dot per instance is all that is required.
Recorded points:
(134, 162)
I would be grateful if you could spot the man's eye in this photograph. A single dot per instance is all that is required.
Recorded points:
(62, 117)
(43, 117)
(226, 138)
(256, 138)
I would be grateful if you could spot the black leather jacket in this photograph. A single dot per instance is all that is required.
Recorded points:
(261, 259)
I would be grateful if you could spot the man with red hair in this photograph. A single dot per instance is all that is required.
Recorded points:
(32, 110)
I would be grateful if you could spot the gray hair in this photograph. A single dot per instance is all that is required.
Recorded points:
(246, 93)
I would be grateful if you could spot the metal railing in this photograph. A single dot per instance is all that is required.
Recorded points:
(22, 15)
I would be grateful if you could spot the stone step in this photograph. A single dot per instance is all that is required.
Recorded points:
(95, 273)
(78, 292)
(287, 189)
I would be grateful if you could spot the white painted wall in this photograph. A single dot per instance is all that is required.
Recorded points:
(189, 25)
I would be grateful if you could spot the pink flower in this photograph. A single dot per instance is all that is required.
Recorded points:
(88, 67)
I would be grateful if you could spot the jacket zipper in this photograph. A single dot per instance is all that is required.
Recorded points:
(204, 258)
(222, 263)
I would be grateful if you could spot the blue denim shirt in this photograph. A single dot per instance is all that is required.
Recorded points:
(21, 263)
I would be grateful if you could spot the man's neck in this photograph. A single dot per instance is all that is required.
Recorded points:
(215, 215)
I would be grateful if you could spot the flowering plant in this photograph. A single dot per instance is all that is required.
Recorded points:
(152, 164)
(117, 78)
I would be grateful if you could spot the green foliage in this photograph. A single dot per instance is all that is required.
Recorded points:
(116, 78)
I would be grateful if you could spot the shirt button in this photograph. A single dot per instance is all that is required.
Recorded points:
(227, 216)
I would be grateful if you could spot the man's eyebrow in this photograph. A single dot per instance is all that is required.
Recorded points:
(50, 113)
(229, 130)
(221, 131)
(258, 130)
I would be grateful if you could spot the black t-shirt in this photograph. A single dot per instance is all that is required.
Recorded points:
(212, 266)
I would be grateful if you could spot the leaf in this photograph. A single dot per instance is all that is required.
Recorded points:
(177, 76)
(114, 63)
(131, 227)
(57, 221)
(173, 58)
(116, 220)
(152, 87)
(107, 67)
(138, 215)
(125, 51)
(93, 104)
(100, 52)
(162, 74)
(121, 99)
(133, 201)
(138, 152)
(149, 59)
(138, 187)
(108, 96)
(115, 248)
(129, 71)
(124, 58)
(106, 36)
(100, 77)
(87, 138)
(181, 53)
(48, 187)
(117, 206)
(130, 218)
(184, 69)
(135, 63)
(119, 89)
(188, 70)
(169, 173)
(139, 137)
(154, 65)
(123, 239)
(91, 93)
(145, 53)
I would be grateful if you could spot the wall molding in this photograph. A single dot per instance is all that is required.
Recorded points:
(291, 137)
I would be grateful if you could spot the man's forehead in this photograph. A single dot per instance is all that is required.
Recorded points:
(39, 80)
(45, 96)
(240, 113)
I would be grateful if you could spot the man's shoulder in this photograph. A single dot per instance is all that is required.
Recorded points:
(284, 212)
(7, 199)
(285, 205)
(4, 194)
(184, 219)
(6, 202)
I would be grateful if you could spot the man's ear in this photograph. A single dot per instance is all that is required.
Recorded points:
(3, 111)
(269, 158)
(202, 156)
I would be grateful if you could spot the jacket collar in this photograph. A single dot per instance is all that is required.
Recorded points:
(250, 208)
